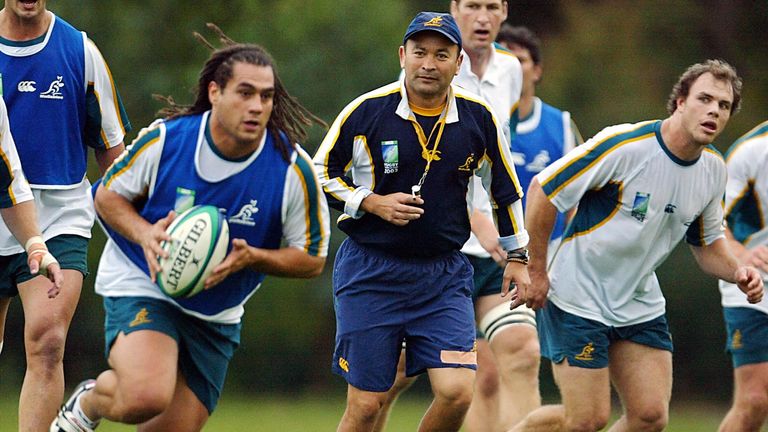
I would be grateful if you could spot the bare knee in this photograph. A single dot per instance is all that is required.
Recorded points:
(753, 405)
(586, 423)
(517, 349)
(592, 418)
(45, 348)
(756, 400)
(141, 405)
(649, 419)
(367, 406)
(457, 395)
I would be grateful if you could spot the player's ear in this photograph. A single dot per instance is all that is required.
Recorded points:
(537, 71)
(454, 8)
(214, 92)
(679, 103)
(458, 61)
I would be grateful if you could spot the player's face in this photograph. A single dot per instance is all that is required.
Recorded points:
(241, 109)
(430, 62)
(26, 9)
(707, 109)
(531, 71)
(479, 21)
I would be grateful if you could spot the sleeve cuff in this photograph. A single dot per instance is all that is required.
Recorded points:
(352, 205)
(515, 241)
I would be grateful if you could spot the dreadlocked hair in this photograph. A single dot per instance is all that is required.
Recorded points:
(289, 120)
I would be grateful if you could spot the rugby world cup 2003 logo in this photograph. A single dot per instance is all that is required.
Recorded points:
(389, 152)
(640, 206)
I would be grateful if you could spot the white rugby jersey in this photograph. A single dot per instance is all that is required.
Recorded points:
(501, 86)
(746, 202)
(636, 201)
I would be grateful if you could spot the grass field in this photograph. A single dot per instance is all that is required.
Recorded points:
(322, 414)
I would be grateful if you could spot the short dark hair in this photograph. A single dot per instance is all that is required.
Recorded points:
(523, 36)
(720, 69)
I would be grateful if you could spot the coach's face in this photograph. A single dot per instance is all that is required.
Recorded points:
(26, 9)
(707, 109)
(430, 61)
(241, 109)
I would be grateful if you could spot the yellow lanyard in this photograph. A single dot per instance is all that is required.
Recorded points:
(426, 153)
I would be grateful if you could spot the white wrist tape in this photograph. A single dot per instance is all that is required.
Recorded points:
(36, 246)
(34, 240)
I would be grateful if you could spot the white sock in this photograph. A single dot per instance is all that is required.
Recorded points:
(1, 347)
(78, 412)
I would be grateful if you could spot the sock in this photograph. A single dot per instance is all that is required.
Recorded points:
(1, 346)
(78, 412)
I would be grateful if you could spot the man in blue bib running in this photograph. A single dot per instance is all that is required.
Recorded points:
(235, 148)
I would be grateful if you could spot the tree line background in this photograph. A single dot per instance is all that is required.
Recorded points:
(606, 62)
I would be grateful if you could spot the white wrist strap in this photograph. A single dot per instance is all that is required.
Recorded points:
(46, 260)
(34, 240)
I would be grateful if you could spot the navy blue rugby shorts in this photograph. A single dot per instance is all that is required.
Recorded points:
(382, 300)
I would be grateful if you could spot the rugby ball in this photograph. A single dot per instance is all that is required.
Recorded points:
(199, 239)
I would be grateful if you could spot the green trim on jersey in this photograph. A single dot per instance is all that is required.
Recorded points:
(596, 207)
(305, 170)
(573, 170)
(22, 44)
(758, 131)
(126, 160)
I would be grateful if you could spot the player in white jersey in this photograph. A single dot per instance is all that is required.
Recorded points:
(746, 211)
(234, 148)
(508, 371)
(17, 208)
(61, 102)
(640, 188)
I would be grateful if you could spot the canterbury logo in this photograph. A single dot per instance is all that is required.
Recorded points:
(736, 340)
(141, 318)
(428, 155)
(586, 353)
(434, 22)
(343, 364)
(26, 86)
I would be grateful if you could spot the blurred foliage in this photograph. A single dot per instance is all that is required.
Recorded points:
(605, 61)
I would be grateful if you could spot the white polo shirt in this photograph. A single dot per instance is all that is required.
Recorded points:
(501, 86)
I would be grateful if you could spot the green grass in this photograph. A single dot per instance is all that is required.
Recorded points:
(317, 413)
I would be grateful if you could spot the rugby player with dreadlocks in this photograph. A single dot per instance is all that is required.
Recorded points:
(234, 148)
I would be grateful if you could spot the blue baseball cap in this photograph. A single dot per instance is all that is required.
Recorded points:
(442, 23)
